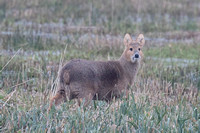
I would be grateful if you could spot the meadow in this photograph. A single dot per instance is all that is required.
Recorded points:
(38, 37)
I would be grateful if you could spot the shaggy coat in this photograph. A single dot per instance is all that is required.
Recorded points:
(100, 80)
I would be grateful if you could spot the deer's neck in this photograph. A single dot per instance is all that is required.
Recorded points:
(130, 69)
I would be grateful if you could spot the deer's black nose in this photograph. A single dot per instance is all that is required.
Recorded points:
(136, 55)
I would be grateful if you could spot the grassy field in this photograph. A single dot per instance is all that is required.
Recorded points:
(38, 37)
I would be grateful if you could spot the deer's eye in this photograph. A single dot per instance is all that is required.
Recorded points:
(131, 49)
(139, 49)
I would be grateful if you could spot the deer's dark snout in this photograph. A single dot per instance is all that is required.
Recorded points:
(136, 55)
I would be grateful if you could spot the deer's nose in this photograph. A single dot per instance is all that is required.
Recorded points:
(136, 55)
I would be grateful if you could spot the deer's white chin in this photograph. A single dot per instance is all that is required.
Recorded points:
(133, 59)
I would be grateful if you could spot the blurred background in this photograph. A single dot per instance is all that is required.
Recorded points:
(114, 16)
(165, 20)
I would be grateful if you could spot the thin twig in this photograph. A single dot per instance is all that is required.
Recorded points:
(60, 66)
(9, 98)
(10, 95)
(10, 60)
(21, 83)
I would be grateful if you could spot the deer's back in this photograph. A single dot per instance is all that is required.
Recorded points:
(92, 74)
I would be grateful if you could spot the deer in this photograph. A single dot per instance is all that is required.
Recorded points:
(100, 80)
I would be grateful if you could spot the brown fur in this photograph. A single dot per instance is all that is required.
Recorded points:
(98, 80)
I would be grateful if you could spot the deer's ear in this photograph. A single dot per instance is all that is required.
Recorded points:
(140, 39)
(127, 39)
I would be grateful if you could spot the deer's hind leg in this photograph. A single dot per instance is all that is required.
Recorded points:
(58, 98)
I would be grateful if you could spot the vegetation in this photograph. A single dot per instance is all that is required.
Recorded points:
(115, 16)
(37, 37)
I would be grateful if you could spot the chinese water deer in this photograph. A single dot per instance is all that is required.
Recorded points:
(100, 80)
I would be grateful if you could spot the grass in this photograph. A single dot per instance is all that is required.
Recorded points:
(160, 100)
(164, 97)
(175, 50)
(138, 16)
(126, 115)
